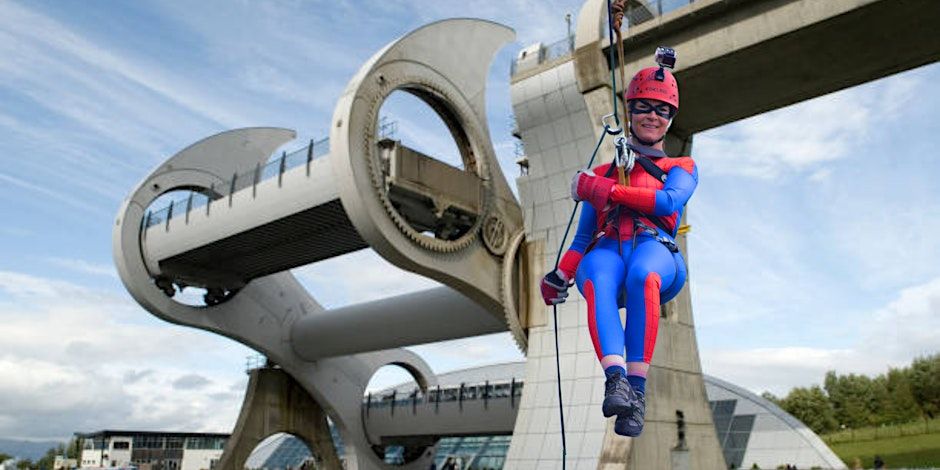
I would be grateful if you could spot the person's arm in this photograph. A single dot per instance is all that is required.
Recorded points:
(555, 284)
(678, 188)
(587, 223)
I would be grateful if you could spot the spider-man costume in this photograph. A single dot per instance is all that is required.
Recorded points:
(624, 252)
(643, 268)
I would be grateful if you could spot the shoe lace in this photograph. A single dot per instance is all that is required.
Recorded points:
(615, 384)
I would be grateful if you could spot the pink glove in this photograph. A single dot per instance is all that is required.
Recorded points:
(586, 186)
(555, 287)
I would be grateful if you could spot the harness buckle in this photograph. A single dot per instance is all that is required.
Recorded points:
(646, 229)
(671, 245)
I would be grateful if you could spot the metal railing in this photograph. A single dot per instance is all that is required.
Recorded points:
(250, 179)
(637, 12)
(555, 50)
(435, 396)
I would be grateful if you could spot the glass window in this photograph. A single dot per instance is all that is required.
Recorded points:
(174, 443)
(725, 407)
(737, 440)
(742, 423)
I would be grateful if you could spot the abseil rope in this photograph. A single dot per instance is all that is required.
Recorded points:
(607, 130)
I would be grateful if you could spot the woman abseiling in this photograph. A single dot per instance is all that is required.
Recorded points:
(624, 252)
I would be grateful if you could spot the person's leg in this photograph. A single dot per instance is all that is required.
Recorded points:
(650, 267)
(669, 292)
(600, 277)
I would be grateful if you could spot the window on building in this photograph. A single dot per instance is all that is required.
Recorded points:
(174, 443)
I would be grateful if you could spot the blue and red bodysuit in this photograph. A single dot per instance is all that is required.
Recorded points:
(631, 258)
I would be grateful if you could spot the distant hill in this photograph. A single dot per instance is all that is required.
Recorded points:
(26, 449)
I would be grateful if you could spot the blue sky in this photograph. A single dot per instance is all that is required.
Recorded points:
(813, 226)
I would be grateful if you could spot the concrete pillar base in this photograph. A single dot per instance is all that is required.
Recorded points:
(276, 403)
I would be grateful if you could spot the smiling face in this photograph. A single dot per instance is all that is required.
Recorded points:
(649, 119)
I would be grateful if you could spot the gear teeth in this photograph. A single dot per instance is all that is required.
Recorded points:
(443, 246)
(507, 297)
(378, 185)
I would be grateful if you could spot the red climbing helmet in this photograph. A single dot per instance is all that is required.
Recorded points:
(655, 83)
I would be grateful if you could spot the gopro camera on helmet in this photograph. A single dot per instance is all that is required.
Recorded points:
(666, 57)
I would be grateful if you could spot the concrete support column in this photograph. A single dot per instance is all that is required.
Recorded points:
(675, 380)
(276, 403)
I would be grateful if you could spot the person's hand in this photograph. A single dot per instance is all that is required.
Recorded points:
(555, 287)
(586, 186)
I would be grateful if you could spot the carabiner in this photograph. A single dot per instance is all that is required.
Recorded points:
(625, 157)
(612, 130)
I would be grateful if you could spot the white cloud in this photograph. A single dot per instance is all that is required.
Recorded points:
(465, 352)
(79, 359)
(908, 326)
(53, 194)
(191, 382)
(891, 336)
(804, 137)
(58, 38)
(358, 277)
(86, 267)
(533, 20)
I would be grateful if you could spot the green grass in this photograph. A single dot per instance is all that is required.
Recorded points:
(909, 451)
(880, 432)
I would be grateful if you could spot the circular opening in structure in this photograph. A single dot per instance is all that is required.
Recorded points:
(429, 169)
(407, 118)
(395, 389)
(393, 382)
(170, 209)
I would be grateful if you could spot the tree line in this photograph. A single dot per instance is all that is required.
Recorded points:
(855, 401)
(71, 450)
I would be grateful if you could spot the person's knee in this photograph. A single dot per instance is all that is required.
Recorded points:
(637, 277)
(676, 285)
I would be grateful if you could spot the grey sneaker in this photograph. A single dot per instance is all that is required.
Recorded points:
(631, 424)
(619, 397)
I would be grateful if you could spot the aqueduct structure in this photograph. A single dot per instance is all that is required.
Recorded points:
(464, 227)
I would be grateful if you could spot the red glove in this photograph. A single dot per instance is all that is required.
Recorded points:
(586, 186)
(555, 287)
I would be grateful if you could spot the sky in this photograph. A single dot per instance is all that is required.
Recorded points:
(813, 226)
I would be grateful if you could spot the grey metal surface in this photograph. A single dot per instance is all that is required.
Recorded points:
(436, 314)
(264, 228)
(262, 313)
(275, 315)
(423, 64)
(768, 54)
(304, 237)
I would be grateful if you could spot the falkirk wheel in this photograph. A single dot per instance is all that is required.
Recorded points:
(461, 227)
